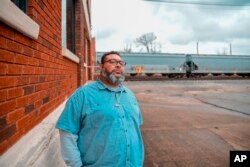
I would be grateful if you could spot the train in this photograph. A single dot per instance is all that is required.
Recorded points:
(175, 65)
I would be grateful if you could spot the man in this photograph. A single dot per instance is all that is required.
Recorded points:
(100, 125)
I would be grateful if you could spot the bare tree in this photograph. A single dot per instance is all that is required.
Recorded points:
(127, 48)
(156, 47)
(147, 40)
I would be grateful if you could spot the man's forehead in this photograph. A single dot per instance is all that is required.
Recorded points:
(113, 56)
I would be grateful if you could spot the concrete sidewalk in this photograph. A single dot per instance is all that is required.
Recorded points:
(193, 123)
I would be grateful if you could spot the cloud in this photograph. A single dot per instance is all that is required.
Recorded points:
(222, 27)
(178, 27)
(106, 33)
(185, 26)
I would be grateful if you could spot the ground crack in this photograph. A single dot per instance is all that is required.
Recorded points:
(215, 105)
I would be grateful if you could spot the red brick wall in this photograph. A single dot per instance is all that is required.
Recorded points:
(93, 58)
(80, 39)
(34, 77)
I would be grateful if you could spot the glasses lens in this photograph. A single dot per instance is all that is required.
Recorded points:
(112, 61)
(115, 62)
(122, 63)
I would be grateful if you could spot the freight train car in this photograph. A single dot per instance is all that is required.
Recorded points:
(219, 64)
(189, 65)
(166, 64)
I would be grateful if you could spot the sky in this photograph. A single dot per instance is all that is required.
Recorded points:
(181, 26)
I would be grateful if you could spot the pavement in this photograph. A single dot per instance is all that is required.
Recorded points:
(193, 123)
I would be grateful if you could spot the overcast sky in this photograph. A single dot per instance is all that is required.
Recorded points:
(178, 26)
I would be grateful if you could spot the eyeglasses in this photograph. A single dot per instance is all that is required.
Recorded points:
(115, 62)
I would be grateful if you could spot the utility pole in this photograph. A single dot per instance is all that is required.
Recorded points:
(230, 46)
(197, 48)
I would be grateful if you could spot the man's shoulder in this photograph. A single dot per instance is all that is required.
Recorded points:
(88, 85)
(128, 90)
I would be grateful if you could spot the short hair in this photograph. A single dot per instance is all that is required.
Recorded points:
(109, 53)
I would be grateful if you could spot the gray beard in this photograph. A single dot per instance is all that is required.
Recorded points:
(112, 78)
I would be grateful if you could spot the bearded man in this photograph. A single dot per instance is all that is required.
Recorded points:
(100, 124)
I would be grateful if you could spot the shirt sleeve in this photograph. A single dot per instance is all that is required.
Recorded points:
(69, 150)
(140, 114)
(71, 118)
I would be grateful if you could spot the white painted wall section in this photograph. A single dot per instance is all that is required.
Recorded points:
(39, 148)
(11, 15)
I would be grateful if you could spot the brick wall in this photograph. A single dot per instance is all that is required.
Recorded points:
(80, 29)
(34, 76)
(93, 59)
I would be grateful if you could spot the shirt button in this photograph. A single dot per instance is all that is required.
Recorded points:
(123, 116)
(128, 145)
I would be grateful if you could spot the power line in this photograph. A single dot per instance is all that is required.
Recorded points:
(200, 3)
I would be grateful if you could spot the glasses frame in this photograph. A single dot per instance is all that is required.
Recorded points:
(115, 62)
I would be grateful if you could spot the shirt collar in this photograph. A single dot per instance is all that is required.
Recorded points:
(103, 86)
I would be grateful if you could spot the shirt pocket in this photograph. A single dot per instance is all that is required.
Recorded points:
(133, 113)
(102, 115)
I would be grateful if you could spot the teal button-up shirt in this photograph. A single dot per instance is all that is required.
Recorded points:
(107, 123)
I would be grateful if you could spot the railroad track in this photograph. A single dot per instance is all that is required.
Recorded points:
(161, 78)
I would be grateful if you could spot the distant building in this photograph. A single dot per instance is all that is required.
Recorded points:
(46, 53)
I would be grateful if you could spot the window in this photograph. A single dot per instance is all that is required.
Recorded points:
(68, 30)
(68, 25)
(21, 4)
(71, 25)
